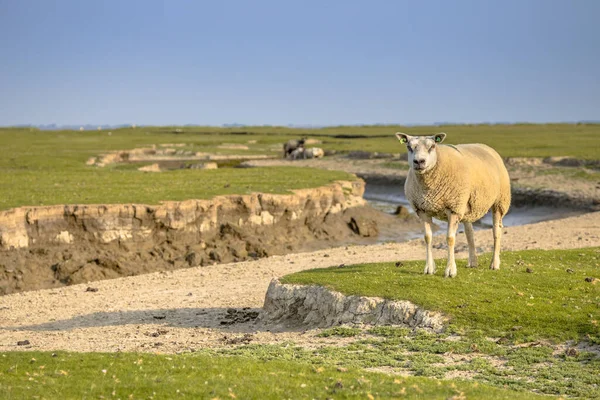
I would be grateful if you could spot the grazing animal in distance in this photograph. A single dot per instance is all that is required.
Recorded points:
(314, 152)
(292, 145)
(456, 184)
(297, 154)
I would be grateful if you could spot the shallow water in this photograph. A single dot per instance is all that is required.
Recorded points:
(388, 197)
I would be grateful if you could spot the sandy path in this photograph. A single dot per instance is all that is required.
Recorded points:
(183, 310)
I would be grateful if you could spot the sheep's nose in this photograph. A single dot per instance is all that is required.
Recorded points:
(419, 162)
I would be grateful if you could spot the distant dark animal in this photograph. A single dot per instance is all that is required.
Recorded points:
(298, 154)
(292, 145)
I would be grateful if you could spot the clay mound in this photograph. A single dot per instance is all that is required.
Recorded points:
(317, 306)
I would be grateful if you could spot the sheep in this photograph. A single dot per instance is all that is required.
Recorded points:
(292, 145)
(456, 184)
(314, 152)
(297, 154)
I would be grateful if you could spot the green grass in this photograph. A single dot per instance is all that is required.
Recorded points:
(554, 302)
(132, 186)
(341, 331)
(537, 368)
(48, 167)
(129, 375)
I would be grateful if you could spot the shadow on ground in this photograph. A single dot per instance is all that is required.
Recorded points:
(229, 319)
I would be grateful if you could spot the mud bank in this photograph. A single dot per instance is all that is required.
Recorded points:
(169, 153)
(316, 306)
(45, 247)
(521, 196)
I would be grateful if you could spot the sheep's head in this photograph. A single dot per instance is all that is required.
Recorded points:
(422, 152)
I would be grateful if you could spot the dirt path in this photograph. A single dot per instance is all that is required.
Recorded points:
(187, 309)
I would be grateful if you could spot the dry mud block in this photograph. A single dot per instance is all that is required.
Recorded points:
(183, 222)
(316, 306)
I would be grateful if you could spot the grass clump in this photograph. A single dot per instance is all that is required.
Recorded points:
(341, 331)
(555, 302)
(130, 375)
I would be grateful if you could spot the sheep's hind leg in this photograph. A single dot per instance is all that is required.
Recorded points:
(429, 262)
(497, 230)
(451, 239)
(471, 242)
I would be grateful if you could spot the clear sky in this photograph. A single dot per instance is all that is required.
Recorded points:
(298, 62)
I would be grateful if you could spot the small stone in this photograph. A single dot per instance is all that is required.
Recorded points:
(341, 265)
(91, 289)
(570, 271)
(23, 343)
(529, 271)
(325, 255)
(572, 352)
(399, 264)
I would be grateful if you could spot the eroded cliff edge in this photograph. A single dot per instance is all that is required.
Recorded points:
(42, 247)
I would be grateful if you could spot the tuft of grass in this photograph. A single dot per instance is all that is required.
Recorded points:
(389, 331)
(555, 302)
(342, 331)
(131, 375)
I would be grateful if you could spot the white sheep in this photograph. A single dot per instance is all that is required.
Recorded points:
(314, 152)
(456, 184)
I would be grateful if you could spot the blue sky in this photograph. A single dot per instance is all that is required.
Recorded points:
(298, 62)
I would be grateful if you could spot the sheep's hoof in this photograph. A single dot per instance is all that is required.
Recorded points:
(429, 269)
(450, 272)
(495, 264)
(472, 264)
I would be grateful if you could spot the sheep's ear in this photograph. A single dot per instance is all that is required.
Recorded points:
(439, 137)
(402, 137)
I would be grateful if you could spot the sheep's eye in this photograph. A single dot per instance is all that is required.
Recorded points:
(431, 148)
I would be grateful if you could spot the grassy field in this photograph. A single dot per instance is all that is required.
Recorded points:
(136, 376)
(551, 308)
(553, 302)
(48, 167)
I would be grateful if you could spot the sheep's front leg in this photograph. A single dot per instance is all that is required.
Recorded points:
(497, 229)
(429, 263)
(453, 221)
(471, 242)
